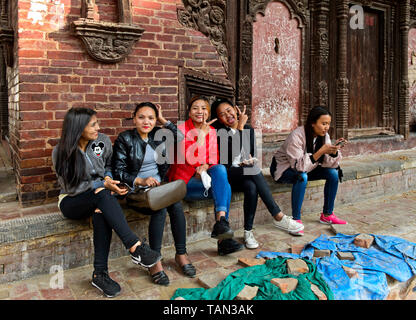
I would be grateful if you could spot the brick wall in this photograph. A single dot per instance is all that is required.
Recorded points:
(55, 73)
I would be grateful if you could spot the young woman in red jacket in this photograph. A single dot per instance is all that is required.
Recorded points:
(197, 164)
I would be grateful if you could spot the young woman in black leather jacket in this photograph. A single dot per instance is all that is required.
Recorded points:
(136, 162)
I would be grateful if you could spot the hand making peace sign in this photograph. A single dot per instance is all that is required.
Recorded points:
(242, 117)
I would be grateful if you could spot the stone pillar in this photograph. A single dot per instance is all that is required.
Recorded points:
(342, 91)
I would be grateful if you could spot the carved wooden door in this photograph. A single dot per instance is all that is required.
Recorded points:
(365, 71)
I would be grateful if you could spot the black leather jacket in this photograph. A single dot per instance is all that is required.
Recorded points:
(129, 149)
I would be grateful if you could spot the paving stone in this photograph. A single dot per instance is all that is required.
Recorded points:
(296, 266)
(346, 229)
(249, 262)
(211, 280)
(364, 240)
(248, 293)
(350, 272)
(315, 289)
(285, 284)
(321, 253)
(345, 255)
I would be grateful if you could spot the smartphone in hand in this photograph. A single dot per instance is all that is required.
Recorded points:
(123, 185)
(340, 143)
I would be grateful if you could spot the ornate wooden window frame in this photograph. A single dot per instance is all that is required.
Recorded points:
(193, 82)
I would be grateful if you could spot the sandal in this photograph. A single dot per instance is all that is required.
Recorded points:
(189, 270)
(160, 278)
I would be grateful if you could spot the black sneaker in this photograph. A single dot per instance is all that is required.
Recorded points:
(103, 282)
(228, 246)
(222, 230)
(145, 256)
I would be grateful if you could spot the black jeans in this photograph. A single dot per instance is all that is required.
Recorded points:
(157, 225)
(253, 186)
(112, 217)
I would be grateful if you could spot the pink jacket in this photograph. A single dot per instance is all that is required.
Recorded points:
(292, 154)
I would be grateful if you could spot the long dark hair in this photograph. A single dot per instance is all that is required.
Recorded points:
(70, 164)
(313, 116)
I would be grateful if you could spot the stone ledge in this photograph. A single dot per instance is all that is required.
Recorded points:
(30, 245)
(32, 227)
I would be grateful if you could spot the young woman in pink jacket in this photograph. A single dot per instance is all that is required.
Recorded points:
(308, 154)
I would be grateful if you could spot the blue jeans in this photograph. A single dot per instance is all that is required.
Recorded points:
(220, 189)
(299, 187)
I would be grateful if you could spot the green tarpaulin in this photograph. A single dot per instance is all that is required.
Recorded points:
(260, 276)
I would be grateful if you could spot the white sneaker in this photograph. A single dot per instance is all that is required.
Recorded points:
(249, 240)
(288, 224)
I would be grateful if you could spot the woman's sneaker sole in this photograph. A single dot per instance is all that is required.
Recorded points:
(226, 235)
(107, 295)
(139, 262)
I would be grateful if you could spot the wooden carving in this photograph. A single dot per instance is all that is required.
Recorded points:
(106, 41)
(6, 34)
(298, 9)
(404, 114)
(208, 17)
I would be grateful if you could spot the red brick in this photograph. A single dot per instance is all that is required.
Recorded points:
(57, 88)
(35, 78)
(163, 90)
(31, 53)
(30, 125)
(31, 163)
(65, 55)
(364, 241)
(96, 98)
(286, 285)
(81, 88)
(30, 106)
(28, 115)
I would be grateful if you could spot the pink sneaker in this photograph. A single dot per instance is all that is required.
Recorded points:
(332, 219)
(297, 233)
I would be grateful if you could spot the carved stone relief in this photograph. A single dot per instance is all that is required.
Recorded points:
(106, 41)
(208, 17)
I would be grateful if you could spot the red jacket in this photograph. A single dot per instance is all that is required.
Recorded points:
(195, 155)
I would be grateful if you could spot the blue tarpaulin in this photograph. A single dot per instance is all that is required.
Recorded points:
(388, 255)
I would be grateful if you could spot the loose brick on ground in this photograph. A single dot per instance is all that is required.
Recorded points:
(249, 262)
(296, 266)
(364, 240)
(318, 292)
(211, 280)
(285, 284)
(248, 293)
(321, 253)
(345, 255)
(350, 272)
(296, 248)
